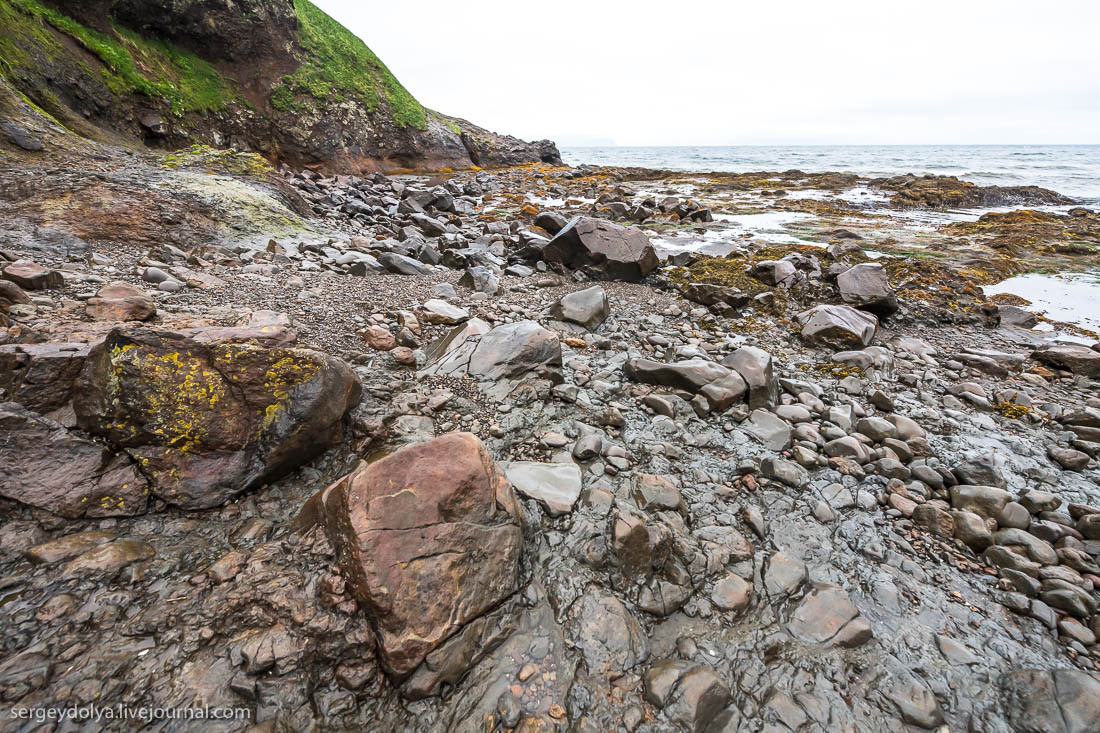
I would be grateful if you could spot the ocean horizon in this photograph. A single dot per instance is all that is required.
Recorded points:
(1073, 170)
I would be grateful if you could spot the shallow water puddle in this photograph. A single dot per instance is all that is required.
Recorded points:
(1067, 297)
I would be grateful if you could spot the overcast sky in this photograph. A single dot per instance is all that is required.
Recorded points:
(765, 72)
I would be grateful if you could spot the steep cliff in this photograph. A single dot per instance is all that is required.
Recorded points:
(279, 77)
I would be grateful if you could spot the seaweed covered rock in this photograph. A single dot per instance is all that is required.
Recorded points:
(429, 539)
(209, 421)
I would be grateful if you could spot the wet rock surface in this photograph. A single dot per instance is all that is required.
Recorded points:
(537, 495)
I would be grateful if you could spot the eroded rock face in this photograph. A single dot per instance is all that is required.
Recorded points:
(1062, 701)
(605, 634)
(827, 616)
(209, 421)
(429, 538)
(40, 376)
(608, 251)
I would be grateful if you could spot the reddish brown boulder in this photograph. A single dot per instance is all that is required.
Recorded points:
(119, 301)
(263, 327)
(40, 376)
(11, 294)
(47, 467)
(31, 276)
(209, 421)
(429, 539)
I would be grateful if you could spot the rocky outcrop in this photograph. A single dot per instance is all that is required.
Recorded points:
(278, 77)
(41, 376)
(945, 192)
(209, 421)
(726, 527)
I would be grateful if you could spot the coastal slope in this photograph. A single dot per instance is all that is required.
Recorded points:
(276, 77)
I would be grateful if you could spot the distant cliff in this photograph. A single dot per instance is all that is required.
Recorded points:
(279, 77)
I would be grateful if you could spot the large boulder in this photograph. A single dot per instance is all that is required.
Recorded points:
(691, 696)
(510, 351)
(209, 421)
(32, 276)
(550, 221)
(513, 350)
(401, 265)
(429, 539)
(867, 287)
(707, 294)
(588, 308)
(839, 326)
(608, 251)
(480, 279)
(690, 374)
(46, 466)
(776, 273)
(120, 301)
(40, 376)
(11, 294)
(986, 501)
(1077, 359)
(755, 367)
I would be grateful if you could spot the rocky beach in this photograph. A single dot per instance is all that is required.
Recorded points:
(344, 440)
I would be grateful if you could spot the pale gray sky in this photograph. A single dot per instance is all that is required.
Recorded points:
(726, 73)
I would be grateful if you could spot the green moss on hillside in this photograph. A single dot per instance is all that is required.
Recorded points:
(339, 66)
(132, 64)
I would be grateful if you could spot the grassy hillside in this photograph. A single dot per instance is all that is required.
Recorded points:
(131, 64)
(336, 66)
(276, 77)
